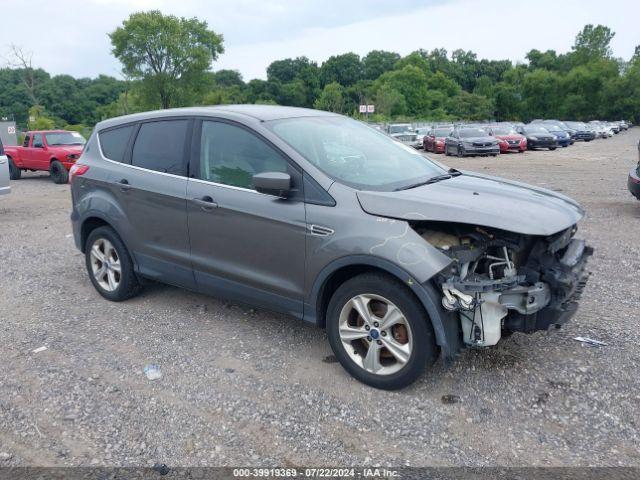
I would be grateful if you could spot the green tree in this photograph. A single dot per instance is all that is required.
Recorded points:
(390, 102)
(376, 62)
(346, 69)
(170, 55)
(331, 99)
(592, 43)
(470, 106)
(411, 82)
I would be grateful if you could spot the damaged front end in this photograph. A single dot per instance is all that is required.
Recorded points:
(500, 282)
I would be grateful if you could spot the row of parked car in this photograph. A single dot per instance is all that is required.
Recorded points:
(503, 137)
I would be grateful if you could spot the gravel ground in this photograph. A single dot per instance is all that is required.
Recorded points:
(241, 387)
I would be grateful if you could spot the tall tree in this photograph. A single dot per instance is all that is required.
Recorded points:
(592, 43)
(170, 55)
(345, 69)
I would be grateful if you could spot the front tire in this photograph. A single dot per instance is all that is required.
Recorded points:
(58, 173)
(380, 332)
(14, 172)
(110, 266)
(552, 148)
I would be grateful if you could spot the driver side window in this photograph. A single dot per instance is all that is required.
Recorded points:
(37, 140)
(231, 155)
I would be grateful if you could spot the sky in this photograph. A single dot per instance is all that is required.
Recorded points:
(70, 36)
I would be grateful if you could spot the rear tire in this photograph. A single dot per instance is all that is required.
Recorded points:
(411, 337)
(552, 148)
(460, 152)
(103, 251)
(14, 172)
(59, 174)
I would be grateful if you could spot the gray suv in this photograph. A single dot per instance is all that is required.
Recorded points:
(318, 216)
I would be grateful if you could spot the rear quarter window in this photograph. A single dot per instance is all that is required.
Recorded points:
(159, 146)
(114, 142)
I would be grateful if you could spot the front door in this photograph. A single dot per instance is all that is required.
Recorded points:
(245, 246)
(38, 155)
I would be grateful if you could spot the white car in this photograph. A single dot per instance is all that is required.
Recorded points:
(4, 172)
(602, 129)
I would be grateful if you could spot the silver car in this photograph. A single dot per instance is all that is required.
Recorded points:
(4, 172)
(318, 216)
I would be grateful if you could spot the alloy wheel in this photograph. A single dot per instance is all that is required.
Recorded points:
(105, 264)
(375, 334)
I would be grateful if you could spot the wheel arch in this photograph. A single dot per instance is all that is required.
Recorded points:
(340, 270)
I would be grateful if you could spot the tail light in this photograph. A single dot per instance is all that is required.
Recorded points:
(77, 170)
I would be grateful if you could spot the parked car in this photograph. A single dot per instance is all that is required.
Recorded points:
(4, 172)
(434, 140)
(54, 151)
(403, 132)
(464, 141)
(602, 130)
(509, 140)
(420, 134)
(395, 255)
(633, 182)
(583, 132)
(563, 138)
(538, 137)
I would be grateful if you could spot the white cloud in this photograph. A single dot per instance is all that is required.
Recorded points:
(70, 36)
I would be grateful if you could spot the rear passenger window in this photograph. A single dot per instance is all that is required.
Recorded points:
(114, 142)
(231, 155)
(160, 146)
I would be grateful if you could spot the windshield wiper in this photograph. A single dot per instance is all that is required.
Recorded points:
(452, 172)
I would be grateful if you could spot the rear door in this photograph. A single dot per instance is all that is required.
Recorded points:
(151, 185)
(245, 246)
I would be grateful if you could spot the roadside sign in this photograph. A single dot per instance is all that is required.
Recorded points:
(11, 130)
(363, 109)
(371, 108)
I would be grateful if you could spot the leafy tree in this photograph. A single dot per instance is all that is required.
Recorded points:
(170, 55)
(592, 43)
(228, 78)
(331, 99)
(390, 102)
(471, 106)
(415, 59)
(376, 62)
(345, 69)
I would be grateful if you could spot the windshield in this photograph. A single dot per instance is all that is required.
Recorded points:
(422, 131)
(64, 138)
(354, 154)
(504, 131)
(472, 132)
(442, 132)
(399, 128)
(535, 129)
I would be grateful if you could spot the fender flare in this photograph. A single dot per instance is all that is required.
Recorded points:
(446, 337)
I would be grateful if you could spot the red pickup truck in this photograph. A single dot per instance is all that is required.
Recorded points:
(54, 151)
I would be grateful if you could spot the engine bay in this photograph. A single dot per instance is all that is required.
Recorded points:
(499, 282)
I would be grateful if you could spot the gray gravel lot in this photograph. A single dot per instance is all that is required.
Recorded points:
(241, 387)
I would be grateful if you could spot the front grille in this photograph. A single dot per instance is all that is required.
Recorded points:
(406, 138)
(481, 144)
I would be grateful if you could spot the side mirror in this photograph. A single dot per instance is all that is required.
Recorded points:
(273, 183)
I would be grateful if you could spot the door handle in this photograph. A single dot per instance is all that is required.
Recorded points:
(206, 203)
(124, 185)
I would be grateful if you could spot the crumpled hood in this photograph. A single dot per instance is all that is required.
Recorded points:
(479, 199)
